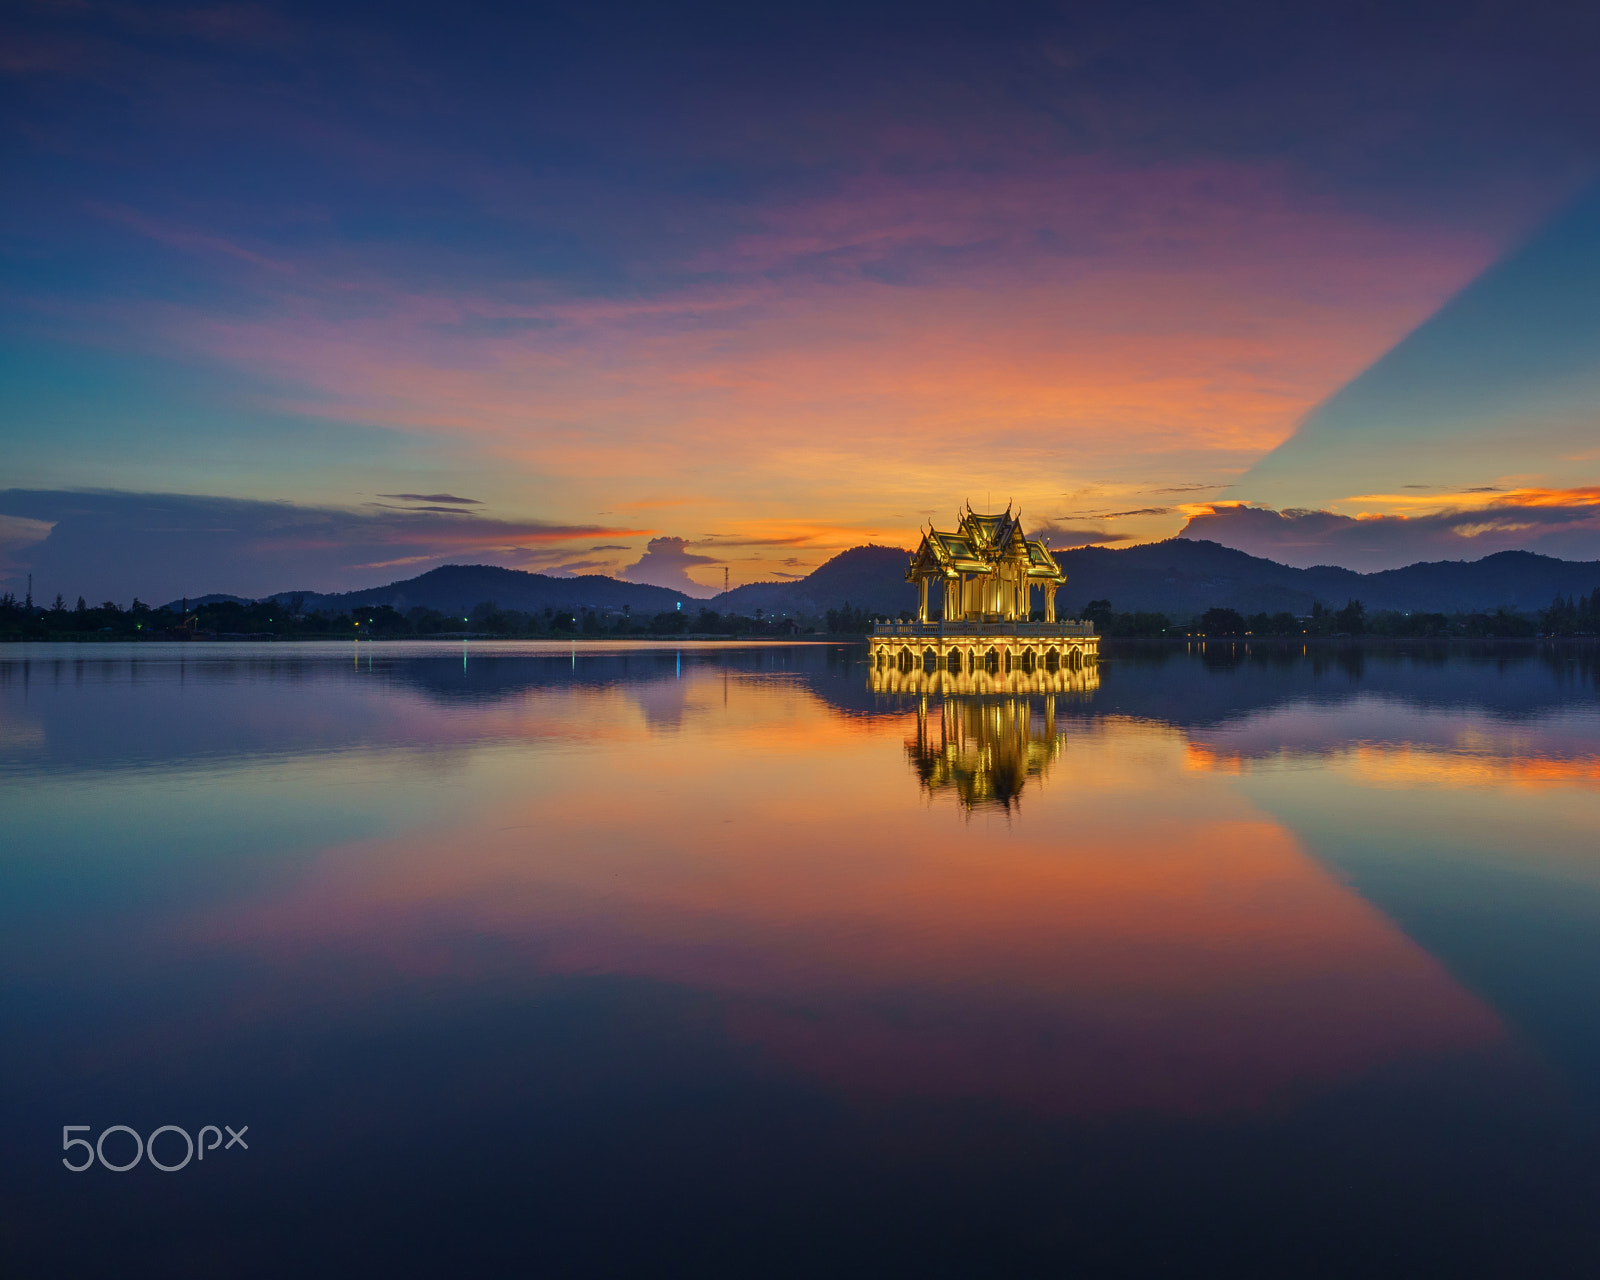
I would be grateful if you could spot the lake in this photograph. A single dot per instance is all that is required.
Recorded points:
(521, 959)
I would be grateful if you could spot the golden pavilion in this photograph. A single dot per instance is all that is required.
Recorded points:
(986, 571)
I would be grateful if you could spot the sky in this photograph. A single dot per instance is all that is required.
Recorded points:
(320, 296)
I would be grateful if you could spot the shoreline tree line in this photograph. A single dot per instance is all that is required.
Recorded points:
(288, 619)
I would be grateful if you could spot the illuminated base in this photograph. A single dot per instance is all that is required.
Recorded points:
(943, 683)
(992, 649)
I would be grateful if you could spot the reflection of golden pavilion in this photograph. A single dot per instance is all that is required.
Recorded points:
(923, 681)
(986, 572)
(985, 749)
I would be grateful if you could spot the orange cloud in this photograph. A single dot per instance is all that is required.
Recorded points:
(885, 351)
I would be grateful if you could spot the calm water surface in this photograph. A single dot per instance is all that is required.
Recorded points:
(520, 960)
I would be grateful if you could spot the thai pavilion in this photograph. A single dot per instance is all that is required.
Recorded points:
(980, 579)
(986, 571)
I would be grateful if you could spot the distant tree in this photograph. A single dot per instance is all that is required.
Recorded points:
(1099, 613)
(847, 620)
(1131, 624)
(1222, 622)
(82, 607)
(1572, 616)
(1351, 619)
(60, 606)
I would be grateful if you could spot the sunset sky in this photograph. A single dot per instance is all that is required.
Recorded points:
(341, 292)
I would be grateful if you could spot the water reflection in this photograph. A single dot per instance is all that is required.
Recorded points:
(941, 682)
(1236, 893)
(984, 750)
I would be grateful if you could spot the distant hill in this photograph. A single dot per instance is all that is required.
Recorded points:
(453, 587)
(867, 577)
(1180, 577)
(197, 602)
(1185, 576)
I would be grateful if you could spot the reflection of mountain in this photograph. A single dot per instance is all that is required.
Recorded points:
(119, 706)
(1218, 681)
(113, 706)
(984, 749)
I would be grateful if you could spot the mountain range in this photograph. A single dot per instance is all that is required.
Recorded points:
(1179, 577)
(1182, 577)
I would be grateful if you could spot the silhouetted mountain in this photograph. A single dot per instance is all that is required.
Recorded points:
(1519, 579)
(197, 602)
(867, 577)
(1183, 577)
(453, 587)
(1180, 577)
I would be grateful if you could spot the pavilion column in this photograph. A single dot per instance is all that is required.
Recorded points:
(1050, 602)
(922, 599)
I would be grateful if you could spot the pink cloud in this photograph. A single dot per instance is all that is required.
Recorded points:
(838, 359)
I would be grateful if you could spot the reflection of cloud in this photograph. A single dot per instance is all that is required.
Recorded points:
(110, 545)
(1180, 956)
(1560, 522)
(665, 563)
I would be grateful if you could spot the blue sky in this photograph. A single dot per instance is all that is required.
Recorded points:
(764, 280)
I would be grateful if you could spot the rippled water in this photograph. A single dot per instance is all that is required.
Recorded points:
(521, 960)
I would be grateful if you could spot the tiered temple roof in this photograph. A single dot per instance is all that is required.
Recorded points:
(987, 566)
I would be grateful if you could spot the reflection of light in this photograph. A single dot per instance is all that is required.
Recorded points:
(984, 749)
(891, 679)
